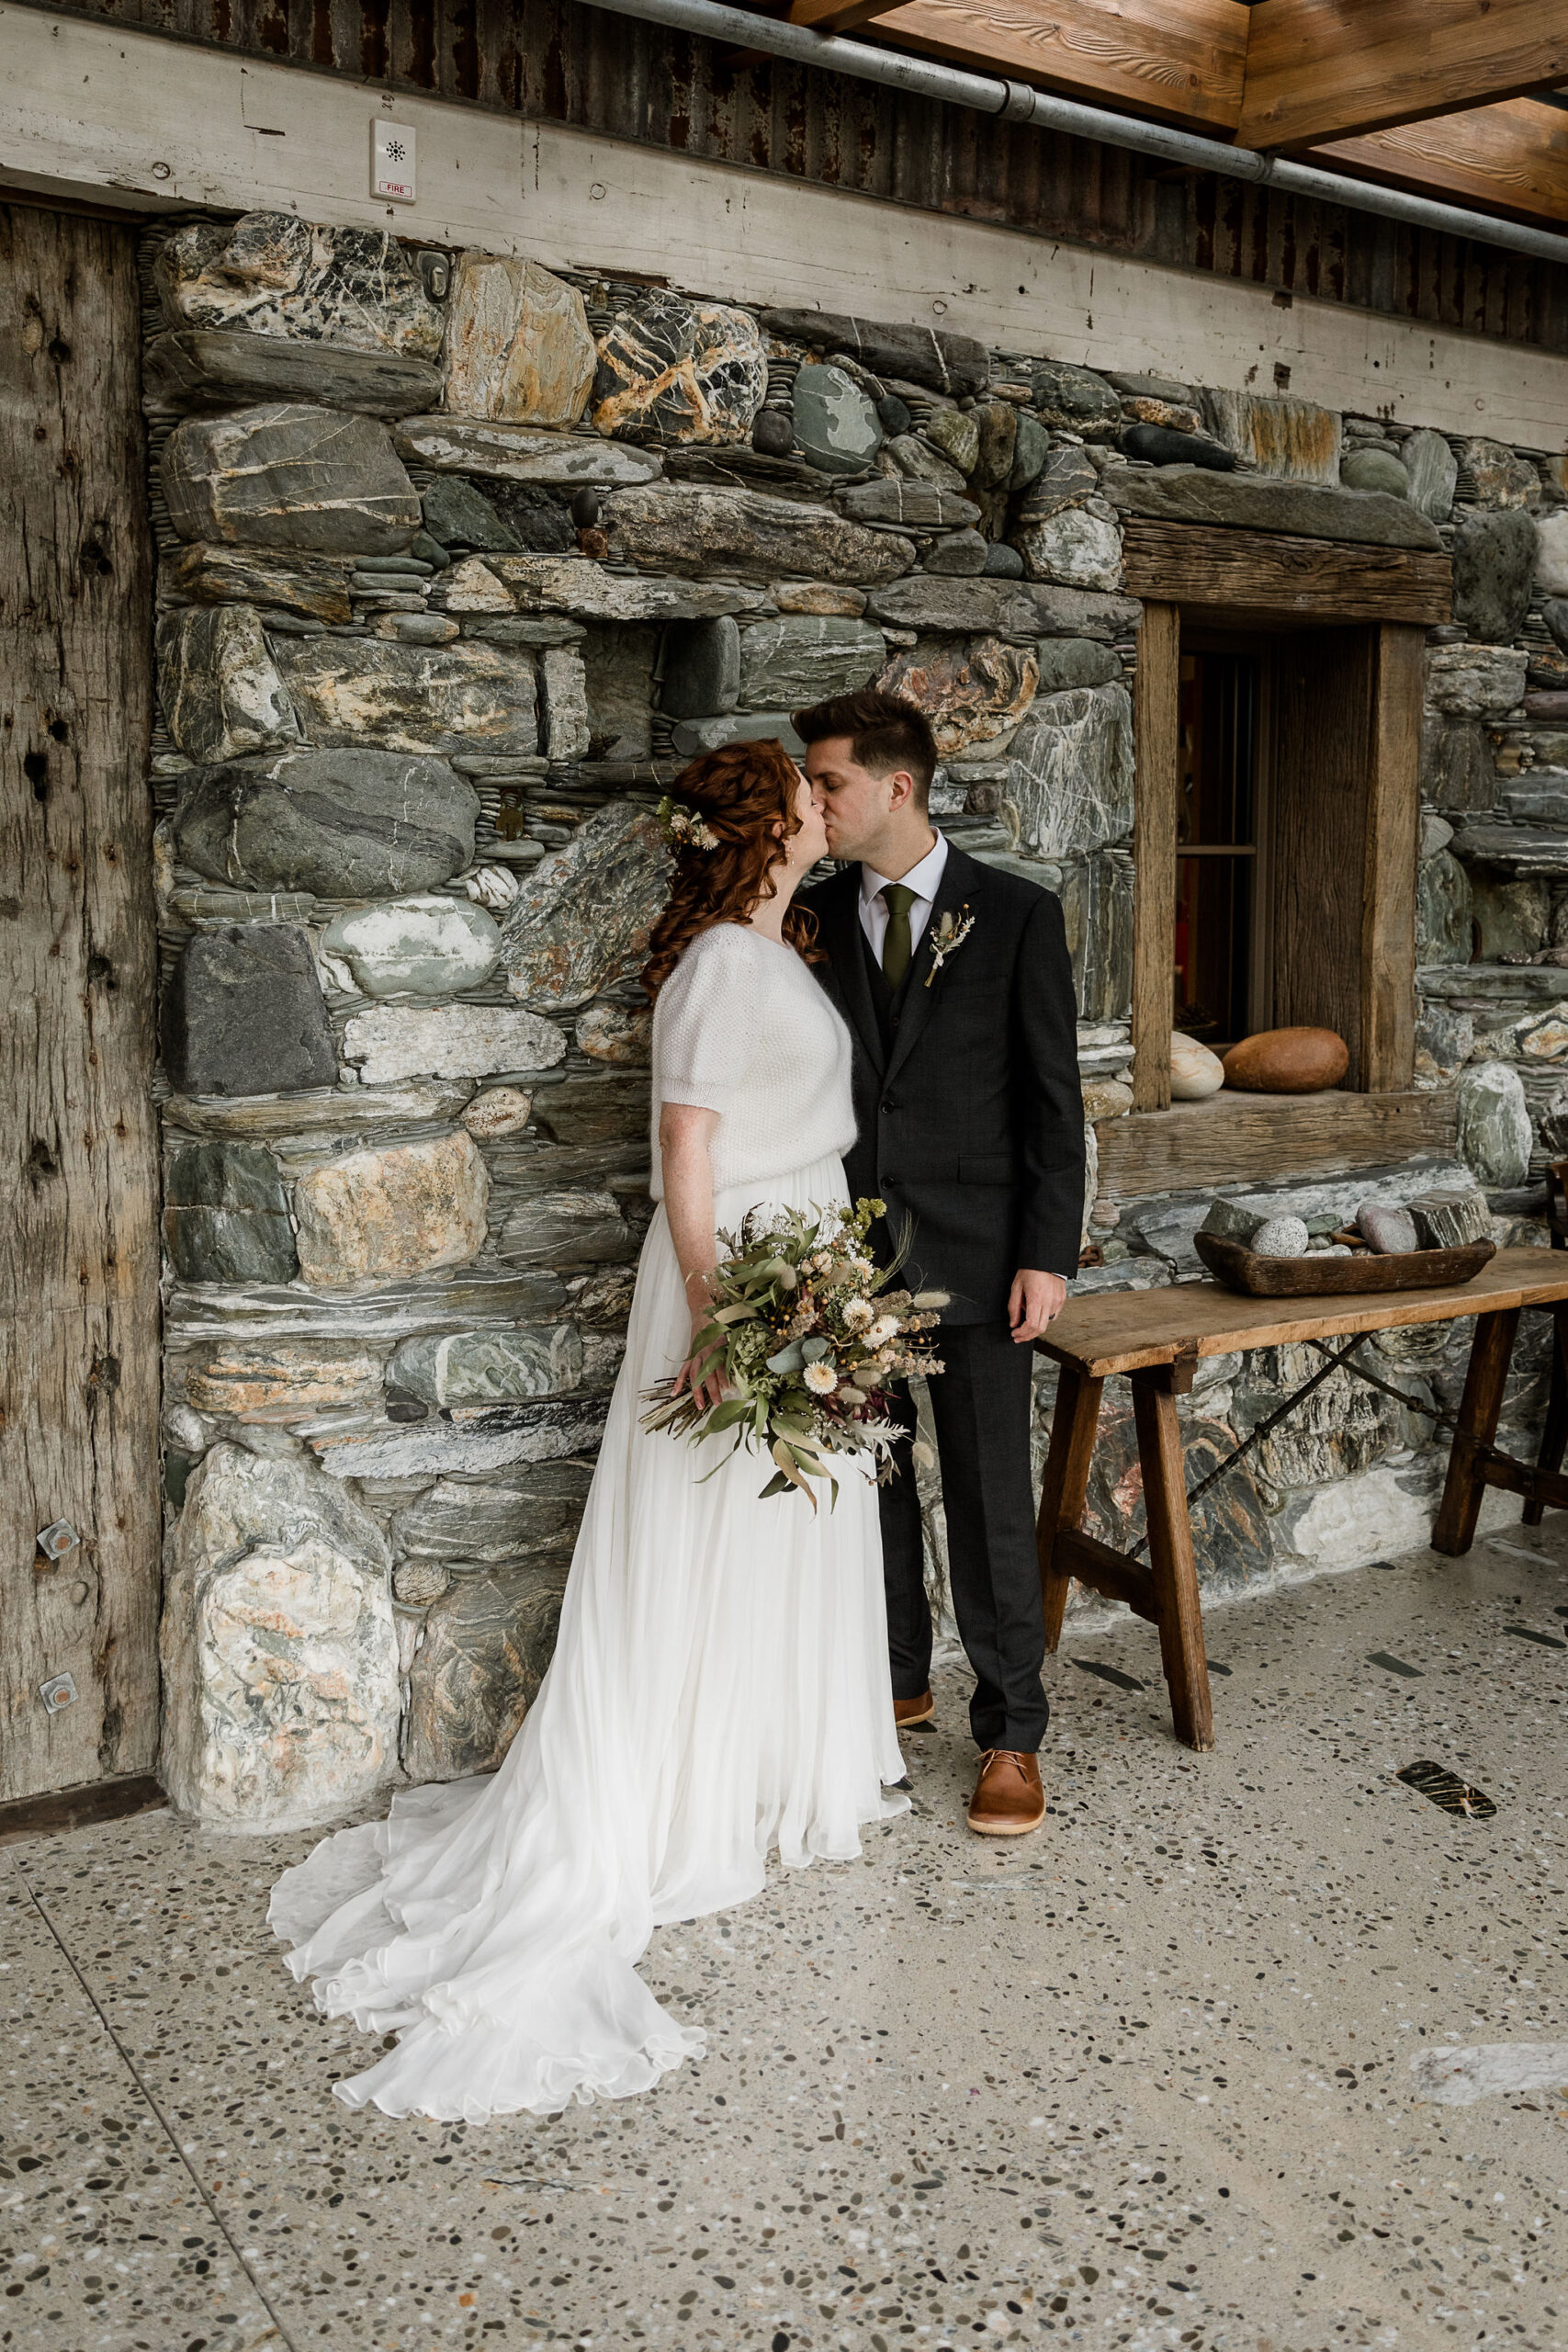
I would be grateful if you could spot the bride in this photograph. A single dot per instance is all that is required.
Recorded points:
(720, 1684)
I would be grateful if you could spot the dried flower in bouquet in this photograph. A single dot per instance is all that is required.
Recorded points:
(806, 1336)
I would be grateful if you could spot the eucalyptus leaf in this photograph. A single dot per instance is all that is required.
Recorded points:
(789, 1359)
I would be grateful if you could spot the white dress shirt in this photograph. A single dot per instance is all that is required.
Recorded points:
(924, 880)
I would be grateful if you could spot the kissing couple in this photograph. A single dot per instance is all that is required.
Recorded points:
(731, 1672)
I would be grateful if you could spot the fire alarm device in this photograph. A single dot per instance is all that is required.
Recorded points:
(391, 161)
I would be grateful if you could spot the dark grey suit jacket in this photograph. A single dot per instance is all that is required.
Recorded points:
(971, 1121)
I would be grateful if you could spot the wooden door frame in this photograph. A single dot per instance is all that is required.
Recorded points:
(1251, 581)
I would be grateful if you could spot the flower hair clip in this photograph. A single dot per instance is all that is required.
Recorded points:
(682, 829)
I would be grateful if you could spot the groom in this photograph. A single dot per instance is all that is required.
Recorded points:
(954, 980)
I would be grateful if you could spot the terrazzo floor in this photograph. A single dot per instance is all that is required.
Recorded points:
(1145, 2079)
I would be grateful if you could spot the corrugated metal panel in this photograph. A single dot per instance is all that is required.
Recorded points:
(560, 63)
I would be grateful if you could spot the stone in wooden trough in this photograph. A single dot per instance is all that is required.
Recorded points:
(226, 1215)
(289, 476)
(1495, 1131)
(1287, 1061)
(210, 367)
(1494, 564)
(790, 663)
(1280, 1237)
(970, 689)
(678, 371)
(485, 1646)
(836, 424)
(954, 364)
(244, 1014)
(1070, 771)
(448, 1041)
(1433, 470)
(517, 343)
(519, 452)
(381, 1216)
(316, 586)
(367, 690)
(427, 946)
(1195, 1072)
(695, 529)
(278, 1653)
(219, 685)
(345, 824)
(1388, 1230)
(1447, 1217)
(1279, 435)
(580, 923)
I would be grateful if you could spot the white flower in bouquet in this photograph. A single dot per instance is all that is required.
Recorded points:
(885, 1328)
(858, 1313)
(820, 1378)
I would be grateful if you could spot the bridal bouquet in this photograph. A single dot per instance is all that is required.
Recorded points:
(806, 1335)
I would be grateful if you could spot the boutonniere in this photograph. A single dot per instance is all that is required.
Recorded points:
(950, 935)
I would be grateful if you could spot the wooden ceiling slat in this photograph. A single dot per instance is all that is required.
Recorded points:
(1320, 70)
(1514, 157)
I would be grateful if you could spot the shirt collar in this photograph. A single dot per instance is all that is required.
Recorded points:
(924, 879)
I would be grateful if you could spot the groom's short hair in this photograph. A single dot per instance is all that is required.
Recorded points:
(885, 732)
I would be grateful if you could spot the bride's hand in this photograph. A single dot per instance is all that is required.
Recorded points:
(706, 1387)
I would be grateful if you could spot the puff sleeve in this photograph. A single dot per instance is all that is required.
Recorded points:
(709, 1019)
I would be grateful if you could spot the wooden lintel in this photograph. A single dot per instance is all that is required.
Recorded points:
(1263, 574)
(1513, 157)
(1249, 1138)
(1111, 1573)
(1318, 70)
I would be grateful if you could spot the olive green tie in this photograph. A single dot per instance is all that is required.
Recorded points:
(896, 949)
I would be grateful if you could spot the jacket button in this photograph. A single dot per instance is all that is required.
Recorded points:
(890, 1103)
(889, 1177)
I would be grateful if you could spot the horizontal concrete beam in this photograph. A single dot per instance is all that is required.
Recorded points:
(125, 118)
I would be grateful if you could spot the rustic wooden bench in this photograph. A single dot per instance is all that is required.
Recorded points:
(1155, 1339)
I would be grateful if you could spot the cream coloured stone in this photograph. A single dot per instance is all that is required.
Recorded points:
(428, 946)
(500, 1110)
(517, 343)
(1195, 1072)
(1551, 554)
(450, 1041)
(279, 1659)
(378, 1216)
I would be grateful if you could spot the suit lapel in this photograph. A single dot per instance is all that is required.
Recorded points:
(838, 914)
(960, 885)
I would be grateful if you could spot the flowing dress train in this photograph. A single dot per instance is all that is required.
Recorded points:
(720, 1689)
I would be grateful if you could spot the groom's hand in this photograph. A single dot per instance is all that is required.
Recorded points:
(1034, 1300)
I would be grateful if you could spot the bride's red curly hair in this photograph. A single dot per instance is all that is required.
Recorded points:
(740, 793)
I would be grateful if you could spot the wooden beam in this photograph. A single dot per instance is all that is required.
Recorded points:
(1250, 1139)
(1265, 576)
(836, 15)
(1180, 61)
(1157, 792)
(1390, 860)
(1512, 158)
(1332, 69)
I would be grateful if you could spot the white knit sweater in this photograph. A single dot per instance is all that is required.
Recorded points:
(741, 1027)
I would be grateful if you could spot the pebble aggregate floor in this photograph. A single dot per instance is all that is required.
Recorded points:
(1142, 2080)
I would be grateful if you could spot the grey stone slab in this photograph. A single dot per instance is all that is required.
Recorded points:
(1512, 917)
(1082, 612)
(1070, 773)
(1538, 797)
(352, 692)
(491, 1440)
(1255, 503)
(289, 476)
(954, 364)
(1495, 1130)
(1443, 912)
(702, 668)
(927, 601)
(1374, 468)
(1433, 470)
(688, 528)
(426, 946)
(1494, 560)
(836, 424)
(487, 1367)
(960, 552)
(566, 1229)
(1519, 849)
(461, 517)
(919, 504)
(207, 367)
(219, 686)
(243, 1014)
(580, 922)
(1475, 680)
(273, 273)
(225, 1175)
(229, 1244)
(315, 586)
(1067, 661)
(1097, 911)
(675, 371)
(532, 1509)
(618, 665)
(520, 453)
(485, 1647)
(694, 736)
(394, 1311)
(1457, 767)
(787, 663)
(1075, 399)
(577, 583)
(343, 824)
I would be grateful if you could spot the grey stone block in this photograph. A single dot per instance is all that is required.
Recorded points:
(1259, 503)
(1494, 560)
(835, 423)
(702, 668)
(244, 1014)
(954, 364)
(289, 476)
(207, 367)
(345, 824)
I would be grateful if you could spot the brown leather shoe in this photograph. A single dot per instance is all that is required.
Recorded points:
(1009, 1801)
(913, 1711)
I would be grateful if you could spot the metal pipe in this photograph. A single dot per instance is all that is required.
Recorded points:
(923, 77)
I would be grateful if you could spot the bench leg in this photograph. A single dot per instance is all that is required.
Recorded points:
(1554, 1437)
(1066, 1486)
(1171, 1564)
(1490, 1354)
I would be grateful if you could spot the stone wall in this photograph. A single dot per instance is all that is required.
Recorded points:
(459, 560)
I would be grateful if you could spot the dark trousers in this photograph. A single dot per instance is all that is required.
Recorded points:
(981, 1406)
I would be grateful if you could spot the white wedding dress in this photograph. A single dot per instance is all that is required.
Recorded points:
(719, 1687)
